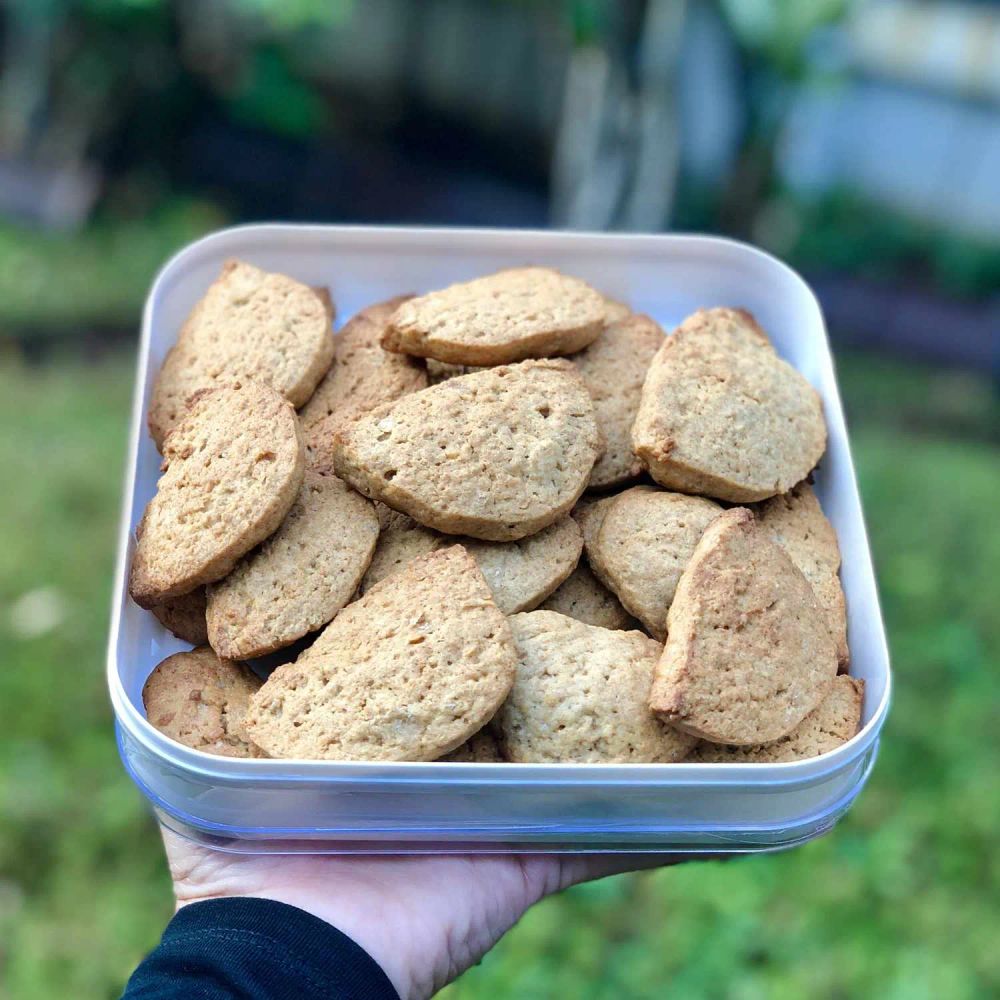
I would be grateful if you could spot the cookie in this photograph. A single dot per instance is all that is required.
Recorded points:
(441, 371)
(482, 748)
(408, 672)
(520, 574)
(797, 523)
(323, 294)
(185, 617)
(401, 540)
(586, 599)
(836, 719)
(581, 695)
(362, 377)
(231, 470)
(615, 311)
(748, 653)
(525, 312)
(300, 577)
(497, 455)
(386, 515)
(199, 700)
(723, 416)
(645, 540)
(589, 515)
(250, 324)
(613, 369)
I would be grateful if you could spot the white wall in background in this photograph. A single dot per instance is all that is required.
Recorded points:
(709, 103)
(927, 154)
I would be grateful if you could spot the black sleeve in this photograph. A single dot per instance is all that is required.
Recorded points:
(255, 949)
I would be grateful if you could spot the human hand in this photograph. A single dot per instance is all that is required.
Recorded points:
(424, 918)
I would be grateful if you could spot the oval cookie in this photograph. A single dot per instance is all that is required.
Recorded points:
(525, 312)
(722, 415)
(797, 523)
(362, 376)
(185, 617)
(832, 723)
(232, 469)
(748, 653)
(300, 577)
(581, 695)
(583, 597)
(408, 672)
(250, 324)
(519, 574)
(613, 369)
(497, 455)
(199, 700)
(645, 540)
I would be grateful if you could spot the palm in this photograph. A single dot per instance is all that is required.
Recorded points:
(425, 919)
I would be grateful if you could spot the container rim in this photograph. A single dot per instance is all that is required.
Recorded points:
(268, 771)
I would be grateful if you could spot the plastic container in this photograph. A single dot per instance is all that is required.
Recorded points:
(322, 806)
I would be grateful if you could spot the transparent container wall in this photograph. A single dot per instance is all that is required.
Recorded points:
(477, 814)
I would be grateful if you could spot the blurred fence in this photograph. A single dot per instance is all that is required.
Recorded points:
(859, 140)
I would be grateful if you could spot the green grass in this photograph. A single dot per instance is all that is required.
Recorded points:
(899, 902)
(54, 283)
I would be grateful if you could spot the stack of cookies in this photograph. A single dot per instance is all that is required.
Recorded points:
(505, 521)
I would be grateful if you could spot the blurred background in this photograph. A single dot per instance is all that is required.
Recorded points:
(860, 141)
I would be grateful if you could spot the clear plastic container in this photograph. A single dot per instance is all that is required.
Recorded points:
(326, 806)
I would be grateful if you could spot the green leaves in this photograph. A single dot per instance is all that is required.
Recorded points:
(780, 30)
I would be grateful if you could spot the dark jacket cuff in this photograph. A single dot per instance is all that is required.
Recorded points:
(256, 948)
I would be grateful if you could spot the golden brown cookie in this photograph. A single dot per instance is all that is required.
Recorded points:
(831, 724)
(748, 653)
(300, 577)
(441, 371)
(581, 695)
(199, 700)
(589, 515)
(586, 599)
(613, 369)
(362, 376)
(797, 523)
(408, 672)
(250, 324)
(525, 312)
(520, 574)
(497, 455)
(646, 538)
(231, 470)
(323, 294)
(185, 617)
(482, 748)
(615, 311)
(723, 416)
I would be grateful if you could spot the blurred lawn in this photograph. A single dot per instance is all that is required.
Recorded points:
(899, 902)
(54, 283)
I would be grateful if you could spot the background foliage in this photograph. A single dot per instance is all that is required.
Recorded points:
(146, 123)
